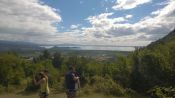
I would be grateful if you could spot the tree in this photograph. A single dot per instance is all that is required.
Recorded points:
(11, 71)
(57, 60)
(46, 55)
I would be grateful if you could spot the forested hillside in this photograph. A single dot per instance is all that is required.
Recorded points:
(154, 67)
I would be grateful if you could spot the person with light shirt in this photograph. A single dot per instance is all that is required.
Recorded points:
(43, 82)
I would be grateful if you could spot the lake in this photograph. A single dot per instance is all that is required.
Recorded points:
(92, 47)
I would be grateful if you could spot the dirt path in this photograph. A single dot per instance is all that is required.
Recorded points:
(31, 96)
(51, 96)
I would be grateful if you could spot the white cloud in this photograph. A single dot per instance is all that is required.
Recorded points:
(105, 27)
(155, 12)
(163, 3)
(103, 20)
(128, 4)
(75, 26)
(27, 18)
(161, 22)
(128, 16)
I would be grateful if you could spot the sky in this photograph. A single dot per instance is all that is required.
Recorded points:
(86, 22)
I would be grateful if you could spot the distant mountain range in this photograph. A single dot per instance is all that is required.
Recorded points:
(18, 46)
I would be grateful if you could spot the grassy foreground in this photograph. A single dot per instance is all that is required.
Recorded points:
(63, 96)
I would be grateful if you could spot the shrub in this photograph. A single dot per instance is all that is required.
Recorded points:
(162, 92)
(87, 89)
(107, 85)
(59, 86)
(30, 86)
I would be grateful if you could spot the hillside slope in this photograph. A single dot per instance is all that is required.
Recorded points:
(154, 65)
(168, 39)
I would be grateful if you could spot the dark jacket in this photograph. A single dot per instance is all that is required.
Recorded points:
(69, 81)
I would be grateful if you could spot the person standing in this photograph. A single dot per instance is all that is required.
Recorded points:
(43, 82)
(72, 82)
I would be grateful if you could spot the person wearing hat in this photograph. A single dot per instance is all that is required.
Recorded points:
(71, 81)
(43, 82)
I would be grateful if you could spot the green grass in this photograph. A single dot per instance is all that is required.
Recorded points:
(63, 96)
